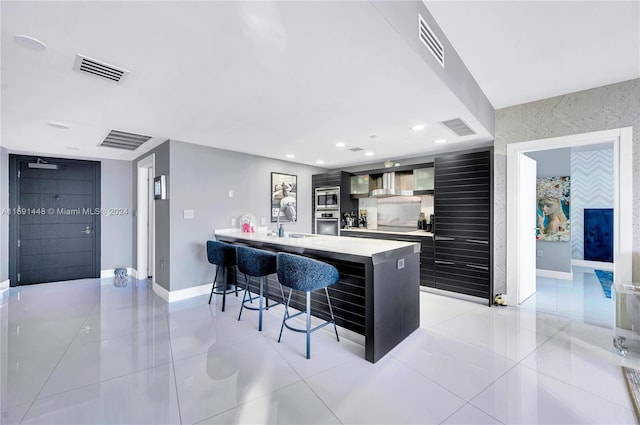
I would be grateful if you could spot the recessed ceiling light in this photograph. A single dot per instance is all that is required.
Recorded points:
(341, 144)
(368, 153)
(418, 127)
(29, 42)
(373, 136)
(73, 148)
(319, 161)
(440, 141)
(290, 155)
(58, 124)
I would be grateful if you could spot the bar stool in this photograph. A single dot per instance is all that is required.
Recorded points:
(305, 275)
(223, 255)
(256, 263)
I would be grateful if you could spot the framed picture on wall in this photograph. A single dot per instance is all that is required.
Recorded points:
(284, 197)
(552, 214)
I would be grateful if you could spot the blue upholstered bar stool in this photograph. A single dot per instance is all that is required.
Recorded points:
(305, 275)
(256, 263)
(223, 255)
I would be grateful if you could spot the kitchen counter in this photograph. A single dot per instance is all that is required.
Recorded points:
(411, 233)
(378, 294)
(334, 246)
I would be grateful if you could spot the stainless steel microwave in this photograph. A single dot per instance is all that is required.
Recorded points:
(328, 198)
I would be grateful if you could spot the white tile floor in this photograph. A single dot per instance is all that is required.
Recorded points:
(87, 352)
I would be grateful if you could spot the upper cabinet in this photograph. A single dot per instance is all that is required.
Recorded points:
(360, 186)
(423, 179)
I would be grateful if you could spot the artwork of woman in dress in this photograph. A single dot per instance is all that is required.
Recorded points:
(283, 197)
(553, 209)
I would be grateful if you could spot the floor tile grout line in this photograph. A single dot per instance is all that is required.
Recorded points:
(578, 388)
(56, 365)
(173, 368)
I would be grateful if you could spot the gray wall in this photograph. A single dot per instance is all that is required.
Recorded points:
(4, 218)
(556, 254)
(602, 108)
(116, 192)
(162, 227)
(199, 178)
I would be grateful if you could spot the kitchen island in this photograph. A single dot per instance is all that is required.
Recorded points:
(378, 292)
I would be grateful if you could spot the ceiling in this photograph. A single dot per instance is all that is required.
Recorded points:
(278, 78)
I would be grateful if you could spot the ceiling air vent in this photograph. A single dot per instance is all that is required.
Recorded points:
(459, 127)
(356, 149)
(123, 140)
(429, 39)
(100, 69)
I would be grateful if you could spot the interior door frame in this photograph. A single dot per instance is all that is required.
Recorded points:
(14, 191)
(145, 238)
(622, 141)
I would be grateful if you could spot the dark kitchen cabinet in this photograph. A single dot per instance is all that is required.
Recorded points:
(341, 179)
(463, 207)
(426, 250)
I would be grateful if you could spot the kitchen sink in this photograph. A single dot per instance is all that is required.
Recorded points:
(299, 235)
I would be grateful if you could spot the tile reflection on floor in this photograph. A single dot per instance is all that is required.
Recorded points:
(87, 352)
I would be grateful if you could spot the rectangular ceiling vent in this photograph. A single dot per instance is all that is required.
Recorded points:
(100, 69)
(459, 127)
(123, 140)
(429, 39)
(356, 149)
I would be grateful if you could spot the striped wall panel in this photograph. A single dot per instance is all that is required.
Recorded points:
(591, 187)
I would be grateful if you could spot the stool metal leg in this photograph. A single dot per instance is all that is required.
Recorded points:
(333, 320)
(224, 291)
(286, 312)
(308, 324)
(244, 295)
(262, 279)
(213, 287)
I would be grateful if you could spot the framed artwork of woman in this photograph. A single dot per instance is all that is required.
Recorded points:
(552, 213)
(284, 197)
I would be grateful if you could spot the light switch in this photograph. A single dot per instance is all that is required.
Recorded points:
(230, 193)
(187, 214)
(263, 220)
(400, 264)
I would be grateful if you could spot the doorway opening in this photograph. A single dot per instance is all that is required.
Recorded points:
(145, 246)
(520, 241)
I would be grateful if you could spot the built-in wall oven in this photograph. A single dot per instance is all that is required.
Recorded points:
(327, 198)
(328, 222)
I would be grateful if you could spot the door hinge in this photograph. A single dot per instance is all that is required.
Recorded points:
(18, 243)
(18, 277)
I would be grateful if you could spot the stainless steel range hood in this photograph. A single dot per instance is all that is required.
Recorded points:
(389, 188)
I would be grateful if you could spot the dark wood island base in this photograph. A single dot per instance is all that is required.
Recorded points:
(378, 294)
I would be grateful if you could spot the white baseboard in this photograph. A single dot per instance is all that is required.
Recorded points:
(598, 265)
(5, 285)
(181, 294)
(553, 274)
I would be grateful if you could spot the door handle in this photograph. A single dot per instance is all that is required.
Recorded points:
(473, 266)
(478, 241)
(444, 238)
(86, 231)
(448, 263)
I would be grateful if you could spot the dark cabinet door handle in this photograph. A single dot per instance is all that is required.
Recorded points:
(444, 238)
(448, 263)
(478, 241)
(473, 266)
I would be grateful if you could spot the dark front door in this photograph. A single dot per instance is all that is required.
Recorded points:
(55, 219)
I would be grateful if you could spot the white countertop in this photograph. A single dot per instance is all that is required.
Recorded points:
(335, 244)
(411, 233)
